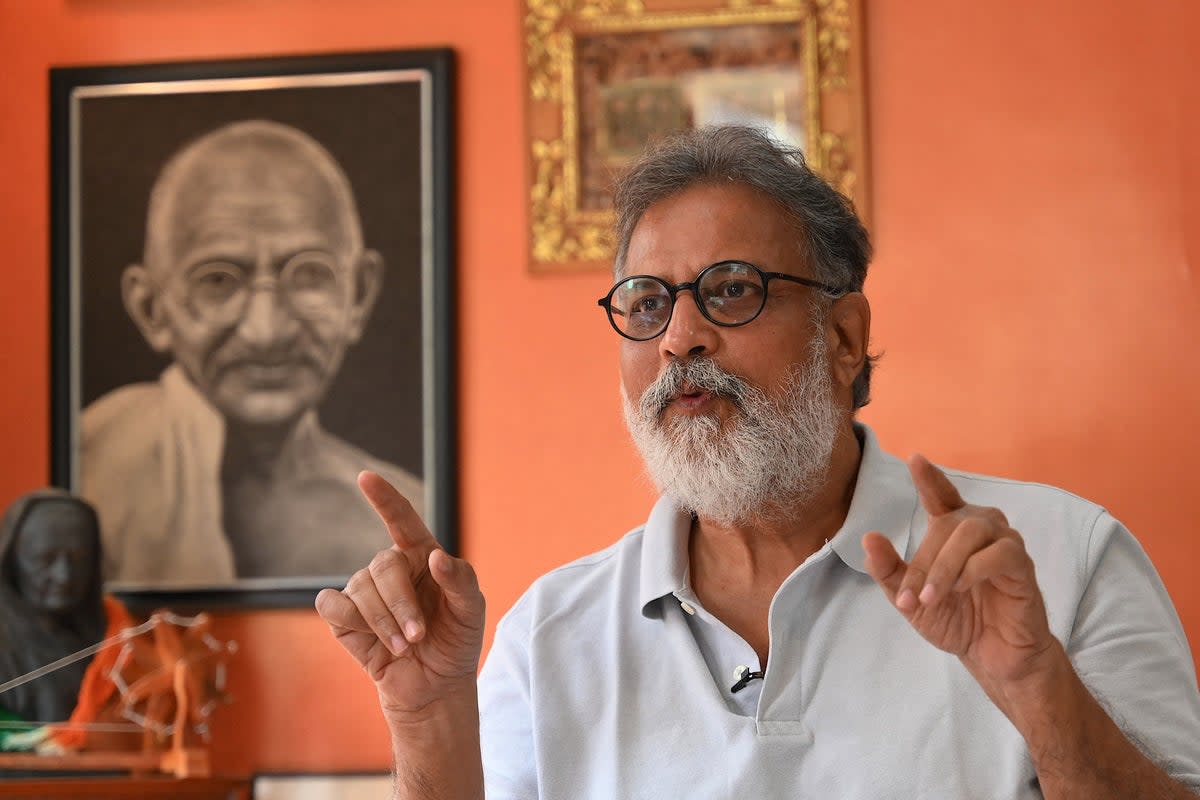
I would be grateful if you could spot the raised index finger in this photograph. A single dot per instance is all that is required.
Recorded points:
(937, 493)
(403, 525)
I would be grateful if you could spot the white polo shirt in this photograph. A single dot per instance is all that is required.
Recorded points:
(608, 678)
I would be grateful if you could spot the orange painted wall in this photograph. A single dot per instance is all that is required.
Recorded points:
(1036, 178)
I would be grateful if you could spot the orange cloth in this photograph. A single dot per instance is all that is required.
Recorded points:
(97, 688)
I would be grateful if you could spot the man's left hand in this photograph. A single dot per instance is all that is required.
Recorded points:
(970, 589)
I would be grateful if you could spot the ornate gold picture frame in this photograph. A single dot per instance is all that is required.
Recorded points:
(606, 76)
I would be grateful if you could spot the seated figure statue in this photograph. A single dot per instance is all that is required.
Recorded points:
(51, 600)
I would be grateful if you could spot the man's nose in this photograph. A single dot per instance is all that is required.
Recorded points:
(689, 333)
(266, 318)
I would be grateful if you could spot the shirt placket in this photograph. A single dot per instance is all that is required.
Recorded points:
(781, 710)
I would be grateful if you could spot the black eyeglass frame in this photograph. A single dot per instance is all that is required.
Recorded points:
(694, 287)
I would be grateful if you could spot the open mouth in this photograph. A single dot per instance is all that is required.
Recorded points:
(692, 398)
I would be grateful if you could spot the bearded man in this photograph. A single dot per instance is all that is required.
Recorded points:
(801, 615)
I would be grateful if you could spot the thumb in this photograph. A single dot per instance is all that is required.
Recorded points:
(884, 564)
(938, 495)
(459, 585)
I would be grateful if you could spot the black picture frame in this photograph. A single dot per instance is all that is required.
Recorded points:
(385, 117)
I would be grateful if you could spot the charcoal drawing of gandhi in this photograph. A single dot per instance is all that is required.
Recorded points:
(254, 280)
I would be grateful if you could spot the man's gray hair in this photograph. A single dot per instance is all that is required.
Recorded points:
(828, 232)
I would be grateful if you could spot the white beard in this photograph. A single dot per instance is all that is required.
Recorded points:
(773, 454)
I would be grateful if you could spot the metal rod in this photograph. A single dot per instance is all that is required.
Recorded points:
(78, 655)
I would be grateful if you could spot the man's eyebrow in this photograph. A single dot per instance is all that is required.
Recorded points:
(244, 253)
(207, 252)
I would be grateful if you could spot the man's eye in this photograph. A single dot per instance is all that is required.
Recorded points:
(647, 305)
(216, 279)
(734, 290)
(215, 276)
(311, 276)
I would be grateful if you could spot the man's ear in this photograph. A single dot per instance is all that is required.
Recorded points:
(144, 304)
(368, 281)
(849, 331)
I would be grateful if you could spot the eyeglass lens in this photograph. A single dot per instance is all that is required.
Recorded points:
(219, 290)
(732, 294)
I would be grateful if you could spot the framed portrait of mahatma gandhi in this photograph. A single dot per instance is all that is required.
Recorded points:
(251, 303)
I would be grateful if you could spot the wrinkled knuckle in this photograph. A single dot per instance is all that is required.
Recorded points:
(1013, 548)
(996, 517)
(383, 621)
(358, 581)
(986, 526)
(974, 526)
(400, 607)
(383, 562)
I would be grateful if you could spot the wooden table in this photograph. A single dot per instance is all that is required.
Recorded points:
(127, 788)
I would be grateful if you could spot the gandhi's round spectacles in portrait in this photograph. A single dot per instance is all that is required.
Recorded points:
(311, 284)
(728, 293)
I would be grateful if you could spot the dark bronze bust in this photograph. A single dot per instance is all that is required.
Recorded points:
(51, 599)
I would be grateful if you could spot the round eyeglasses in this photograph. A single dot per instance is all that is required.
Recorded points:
(310, 284)
(728, 293)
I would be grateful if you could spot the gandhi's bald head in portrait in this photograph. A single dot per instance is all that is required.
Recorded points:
(254, 275)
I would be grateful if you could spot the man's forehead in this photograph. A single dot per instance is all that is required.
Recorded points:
(710, 222)
(266, 208)
(233, 197)
(245, 236)
(220, 173)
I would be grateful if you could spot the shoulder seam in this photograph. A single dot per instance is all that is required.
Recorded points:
(591, 560)
(973, 476)
(596, 558)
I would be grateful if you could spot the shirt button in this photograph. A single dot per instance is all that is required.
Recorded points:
(687, 607)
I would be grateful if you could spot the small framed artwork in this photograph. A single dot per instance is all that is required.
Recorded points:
(252, 302)
(606, 77)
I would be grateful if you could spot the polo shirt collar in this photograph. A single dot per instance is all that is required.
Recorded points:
(664, 552)
(884, 500)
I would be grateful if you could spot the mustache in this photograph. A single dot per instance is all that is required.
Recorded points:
(233, 356)
(695, 373)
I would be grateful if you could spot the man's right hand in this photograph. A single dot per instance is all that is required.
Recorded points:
(414, 617)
